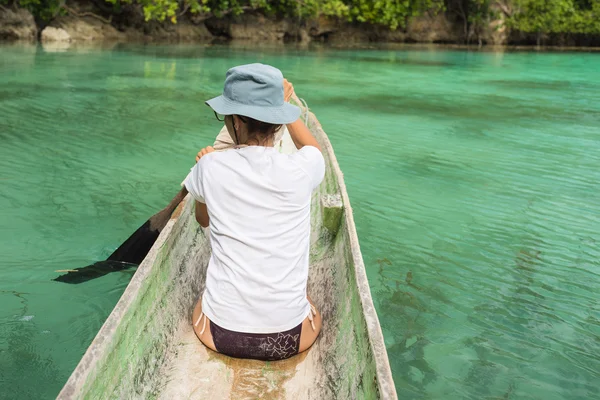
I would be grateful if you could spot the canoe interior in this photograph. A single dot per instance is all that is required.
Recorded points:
(147, 348)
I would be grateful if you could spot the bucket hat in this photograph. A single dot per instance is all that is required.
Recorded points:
(255, 91)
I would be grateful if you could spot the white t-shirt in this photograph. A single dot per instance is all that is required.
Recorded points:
(258, 202)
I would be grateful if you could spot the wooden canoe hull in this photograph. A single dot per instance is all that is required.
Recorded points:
(147, 348)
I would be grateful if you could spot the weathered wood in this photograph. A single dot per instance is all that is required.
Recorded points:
(147, 348)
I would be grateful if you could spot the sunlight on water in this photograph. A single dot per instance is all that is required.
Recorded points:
(473, 176)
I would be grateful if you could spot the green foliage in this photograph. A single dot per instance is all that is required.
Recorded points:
(42, 9)
(531, 16)
(478, 11)
(541, 15)
(556, 16)
(390, 13)
(311, 8)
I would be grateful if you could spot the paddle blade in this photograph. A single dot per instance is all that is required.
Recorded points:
(137, 246)
(133, 251)
(93, 271)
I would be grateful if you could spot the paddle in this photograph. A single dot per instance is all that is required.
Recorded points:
(132, 251)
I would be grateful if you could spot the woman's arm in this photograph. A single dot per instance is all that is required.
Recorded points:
(200, 208)
(300, 134)
(202, 214)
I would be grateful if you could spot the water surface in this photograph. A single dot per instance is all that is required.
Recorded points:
(473, 176)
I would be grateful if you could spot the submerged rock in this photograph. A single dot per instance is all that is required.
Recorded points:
(17, 25)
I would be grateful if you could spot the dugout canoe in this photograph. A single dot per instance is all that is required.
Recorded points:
(147, 348)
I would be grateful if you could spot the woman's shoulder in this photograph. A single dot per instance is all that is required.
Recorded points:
(311, 161)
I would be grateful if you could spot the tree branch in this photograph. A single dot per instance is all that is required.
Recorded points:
(204, 17)
(462, 10)
(185, 9)
(101, 4)
(504, 8)
(87, 14)
(465, 18)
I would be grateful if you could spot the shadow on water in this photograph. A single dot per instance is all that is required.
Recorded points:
(20, 355)
(33, 90)
(432, 164)
(534, 85)
(483, 107)
(406, 308)
(512, 316)
(17, 94)
(394, 58)
(205, 51)
(522, 329)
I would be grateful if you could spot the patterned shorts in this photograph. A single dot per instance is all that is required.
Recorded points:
(258, 346)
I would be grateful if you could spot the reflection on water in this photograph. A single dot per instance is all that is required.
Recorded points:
(473, 179)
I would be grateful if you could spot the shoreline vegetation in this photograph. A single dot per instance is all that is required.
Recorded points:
(541, 23)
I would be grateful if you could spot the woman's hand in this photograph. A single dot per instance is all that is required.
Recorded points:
(203, 152)
(288, 90)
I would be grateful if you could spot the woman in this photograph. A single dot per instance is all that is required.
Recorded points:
(256, 202)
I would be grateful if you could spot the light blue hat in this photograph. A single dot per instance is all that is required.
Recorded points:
(255, 91)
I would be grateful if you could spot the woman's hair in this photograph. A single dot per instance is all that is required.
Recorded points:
(258, 130)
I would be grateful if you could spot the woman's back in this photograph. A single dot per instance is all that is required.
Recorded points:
(258, 201)
(257, 204)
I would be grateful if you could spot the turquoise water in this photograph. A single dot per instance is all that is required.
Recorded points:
(474, 178)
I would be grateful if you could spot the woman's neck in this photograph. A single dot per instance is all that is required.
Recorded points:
(262, 143)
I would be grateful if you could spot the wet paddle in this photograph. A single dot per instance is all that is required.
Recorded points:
(132, 251)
